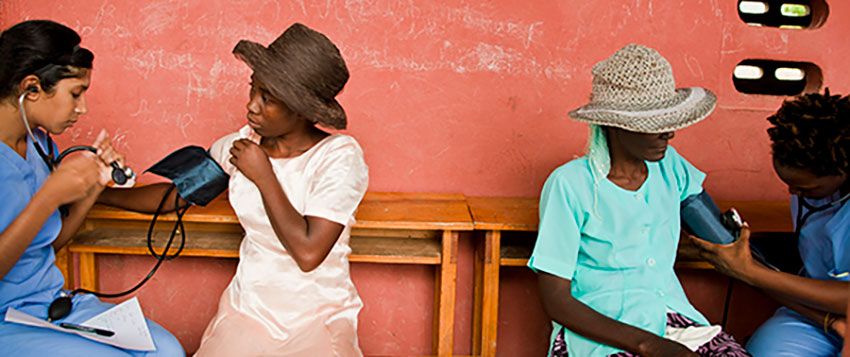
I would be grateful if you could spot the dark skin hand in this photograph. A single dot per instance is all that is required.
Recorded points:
(736, 260)
(629, 151)
(308, 239)
(560, 305)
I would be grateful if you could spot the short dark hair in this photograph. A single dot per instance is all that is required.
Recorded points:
(43, 48)
(812, 132)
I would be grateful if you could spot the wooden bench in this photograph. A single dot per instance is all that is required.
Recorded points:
(391, 228)
(510, 225)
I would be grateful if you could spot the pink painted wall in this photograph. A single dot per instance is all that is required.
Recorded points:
(445, 96)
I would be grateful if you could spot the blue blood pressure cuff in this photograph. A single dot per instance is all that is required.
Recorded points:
(702, 218)
(198, 177)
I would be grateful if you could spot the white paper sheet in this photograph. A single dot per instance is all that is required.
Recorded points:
(125, 319)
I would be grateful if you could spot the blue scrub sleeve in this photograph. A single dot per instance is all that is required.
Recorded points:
(558, 237)
(838, 229)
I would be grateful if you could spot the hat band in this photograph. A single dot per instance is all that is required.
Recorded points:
(696, 95)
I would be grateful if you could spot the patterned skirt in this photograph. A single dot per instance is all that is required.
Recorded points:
(722, 345)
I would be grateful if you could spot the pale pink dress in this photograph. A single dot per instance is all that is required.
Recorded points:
(271, 307)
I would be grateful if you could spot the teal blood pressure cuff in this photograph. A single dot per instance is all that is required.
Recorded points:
(199, 178)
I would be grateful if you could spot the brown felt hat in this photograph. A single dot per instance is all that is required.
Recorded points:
(303, 69)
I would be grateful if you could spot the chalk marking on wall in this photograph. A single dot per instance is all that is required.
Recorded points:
(157, 16)
(717, 10)
(142, 108)
(476, 20)
(484, 57)
(119, 140)
(106, 11)
(197, 88)
(694, 66)
(147, 61)
(302, 7)
(183, 122)
(727, 41)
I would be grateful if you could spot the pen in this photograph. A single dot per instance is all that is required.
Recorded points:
(102, 332)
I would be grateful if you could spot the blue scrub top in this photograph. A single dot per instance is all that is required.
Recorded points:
(617, 246)
(824, 242)
(35, 280)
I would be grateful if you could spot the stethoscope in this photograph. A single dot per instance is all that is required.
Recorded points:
(810, 210)
(61, 306)
(119, 175)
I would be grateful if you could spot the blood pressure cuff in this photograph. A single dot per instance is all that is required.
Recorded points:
(199, 178)
(702, 218)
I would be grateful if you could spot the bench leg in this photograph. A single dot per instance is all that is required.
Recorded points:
(88, 271)
(445, 294)
(490, 293)
(477, 296)
(64, 263)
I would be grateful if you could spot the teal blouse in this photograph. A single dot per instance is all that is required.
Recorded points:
(617, 248)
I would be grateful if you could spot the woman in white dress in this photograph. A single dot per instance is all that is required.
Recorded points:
(294, 188)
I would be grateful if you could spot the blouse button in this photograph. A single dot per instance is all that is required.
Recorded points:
(650, 262)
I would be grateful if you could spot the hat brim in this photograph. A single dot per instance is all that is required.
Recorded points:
(687, 107)
(300, 100)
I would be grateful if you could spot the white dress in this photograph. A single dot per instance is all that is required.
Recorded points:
(271, 307)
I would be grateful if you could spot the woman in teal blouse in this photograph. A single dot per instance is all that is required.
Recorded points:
(609, 221)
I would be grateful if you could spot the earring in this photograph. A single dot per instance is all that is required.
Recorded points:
(78, 111)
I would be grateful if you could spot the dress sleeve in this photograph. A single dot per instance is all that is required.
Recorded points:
(559, 235)
(338, 183)
(220, 152)
(688, 178)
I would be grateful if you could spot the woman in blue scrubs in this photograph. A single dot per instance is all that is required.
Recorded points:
(810, 138)
(45, 73)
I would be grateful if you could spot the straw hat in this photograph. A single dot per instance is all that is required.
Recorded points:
(634, 90)
(304, 70)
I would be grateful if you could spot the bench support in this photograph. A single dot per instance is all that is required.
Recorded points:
(445, 291)
(486, 295)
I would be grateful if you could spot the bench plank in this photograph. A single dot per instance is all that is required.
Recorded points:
(504, 213)
(226, 245)
(521, 213)
(378, 210)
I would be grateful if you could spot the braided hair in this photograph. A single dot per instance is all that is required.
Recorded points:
(43, 48)
(812, 132)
